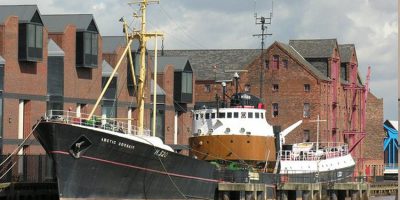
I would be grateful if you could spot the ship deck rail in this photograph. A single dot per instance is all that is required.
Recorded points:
(326, 150)
(101, 122)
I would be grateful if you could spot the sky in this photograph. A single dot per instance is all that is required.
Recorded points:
(230, 24)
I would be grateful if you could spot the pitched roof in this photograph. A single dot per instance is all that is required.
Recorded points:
(107, 69)
(159, 90)
(57, 23)
(110, 43)
(203, 61)
(25, 13)
(296, 55)
(179, 62)
(317, 48)
(2, 61)
(54, 49)
(345, 52)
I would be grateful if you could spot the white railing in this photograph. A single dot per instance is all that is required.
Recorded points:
(326, 150)
(70, 117)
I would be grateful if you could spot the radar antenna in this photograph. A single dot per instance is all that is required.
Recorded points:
(264, 22)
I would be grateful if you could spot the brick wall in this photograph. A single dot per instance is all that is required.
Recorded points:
(21, 79)
(79, 83)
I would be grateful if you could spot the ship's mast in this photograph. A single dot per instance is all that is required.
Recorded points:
(142, 36)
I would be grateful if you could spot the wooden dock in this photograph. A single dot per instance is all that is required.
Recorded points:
(291, 191)
(384, 188)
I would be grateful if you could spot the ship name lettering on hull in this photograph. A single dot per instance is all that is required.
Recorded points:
(120, 144)
(161, 153)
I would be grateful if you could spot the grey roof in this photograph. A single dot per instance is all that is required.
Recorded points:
(316, 48)
(25, 13)
(159, 90)
(110, 43)
(203, 61)
(179, 62)
(2, 61)
(107, 69)
(345, 51)
(57, 23)
(303, 61)
(54, 49)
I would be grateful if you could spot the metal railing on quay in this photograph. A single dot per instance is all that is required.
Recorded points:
(101, 122)
(320, 177)
(27, 169)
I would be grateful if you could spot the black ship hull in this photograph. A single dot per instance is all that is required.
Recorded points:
(93, 164)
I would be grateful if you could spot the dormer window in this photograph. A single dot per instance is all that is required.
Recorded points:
(187, 82)
(86, 49)
(183, 84)
(30, 42)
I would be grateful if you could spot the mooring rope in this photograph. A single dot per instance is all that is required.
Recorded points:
(163, 166)
(21, 144)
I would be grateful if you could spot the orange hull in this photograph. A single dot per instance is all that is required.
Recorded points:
(233, 147)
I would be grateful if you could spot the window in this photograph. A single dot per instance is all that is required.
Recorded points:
(306, 110)
(267, 64)
(86, 49)
(262, 115)
(306, 136)
(187, 82)
(285, 63)
(229, 115)
(250, 115)
(257, 115)
(160, 123)
(207, 115)
(307, 87)
(111, 92)
(221, 115)
(275, 110)
(207, 88)
(235, 115)
(275, 87)
(108, 109)
(243, 115)
(275, 62)
(212, 115)
(197, 116)
(343, 71)
(247, 88)
(30, 42)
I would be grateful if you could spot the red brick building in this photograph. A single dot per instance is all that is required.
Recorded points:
(312, 77)
(23, 45)
(79, 38)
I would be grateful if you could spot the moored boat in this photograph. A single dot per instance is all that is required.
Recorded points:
(102, 159)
